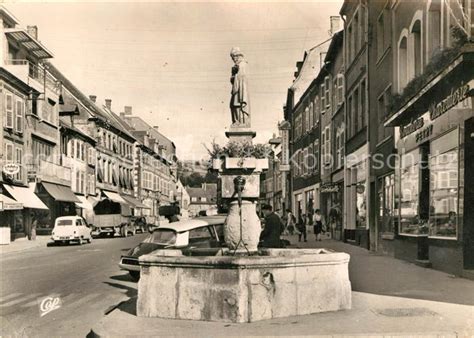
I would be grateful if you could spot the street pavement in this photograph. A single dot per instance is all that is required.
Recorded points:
(86, 279)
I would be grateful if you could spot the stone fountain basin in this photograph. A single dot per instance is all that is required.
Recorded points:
(237, 289)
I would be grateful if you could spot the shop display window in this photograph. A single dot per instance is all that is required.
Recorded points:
(444, 187)
(386, 203)
(411, 223)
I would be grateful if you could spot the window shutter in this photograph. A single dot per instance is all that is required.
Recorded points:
(323, 99)
(9, 110)
(19, 116)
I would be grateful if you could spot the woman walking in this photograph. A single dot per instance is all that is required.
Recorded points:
(318, 224)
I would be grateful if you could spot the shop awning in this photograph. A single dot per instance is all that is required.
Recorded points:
(6, 203)
(60, 193)
(25, 196)
(84, 203)
(134, 202)
(114, 197)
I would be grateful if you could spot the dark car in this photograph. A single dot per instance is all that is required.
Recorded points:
(198, 233)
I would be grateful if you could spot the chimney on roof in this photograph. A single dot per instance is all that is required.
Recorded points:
(127, 110)
(156, 127)
(33, 31)
(93, 98)
(108, 104)
(335, 25)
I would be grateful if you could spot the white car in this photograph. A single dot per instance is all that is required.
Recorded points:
(69, 229)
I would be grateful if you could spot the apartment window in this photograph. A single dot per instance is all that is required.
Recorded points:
(316, 110)
(48, 111)
(350, 42)
(306, 120)
(9, 152)
(9, 111)
(20, 110)
(434, 28)
(310, 159)
(91, 156)
(339, 89)
(363, 105)
(355, 111)
(402, 64)
(339, 146)
(19, 157)
(349, 108)
(327, 93)
(316, 155)
(417, 54)
(323, 98)
(311, 115)
(305, 161)
(78, 149)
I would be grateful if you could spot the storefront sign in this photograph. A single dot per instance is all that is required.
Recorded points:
(285, 148)
(424, 134)
(411, 127)
(329, 188)
(11, 169)
(456, 96)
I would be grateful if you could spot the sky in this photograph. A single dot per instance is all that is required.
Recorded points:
(170, 60)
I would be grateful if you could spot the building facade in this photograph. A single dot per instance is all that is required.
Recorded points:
(433, 79)
(356, 178)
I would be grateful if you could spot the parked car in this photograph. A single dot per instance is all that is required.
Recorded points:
(202, 232)
(69, 229)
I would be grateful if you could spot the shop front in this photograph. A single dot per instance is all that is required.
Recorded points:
(356, 227)
(21, 219)
(434, 180)
(334, 193)
(61, 201)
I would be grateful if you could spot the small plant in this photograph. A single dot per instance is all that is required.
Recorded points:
(239, 150)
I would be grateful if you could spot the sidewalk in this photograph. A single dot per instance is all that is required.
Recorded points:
(370, 315)
(381, 274)
(22, 244)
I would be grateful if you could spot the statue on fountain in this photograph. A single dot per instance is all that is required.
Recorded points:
(239, 101)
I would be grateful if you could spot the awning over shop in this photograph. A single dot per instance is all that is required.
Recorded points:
(114, 197)
(6, 203)
(26, 196)
(84, 203)
(60, 193)
(134, 202)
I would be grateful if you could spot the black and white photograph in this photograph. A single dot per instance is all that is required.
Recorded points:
(237, 168)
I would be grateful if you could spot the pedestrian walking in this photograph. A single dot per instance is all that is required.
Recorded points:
(318, 224)
(270, 236)
(290, 222)
(302, 228)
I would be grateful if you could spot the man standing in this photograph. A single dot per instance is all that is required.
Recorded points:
(270, 236)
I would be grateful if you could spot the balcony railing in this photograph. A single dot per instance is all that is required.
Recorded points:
(35, 72)
(49, 171)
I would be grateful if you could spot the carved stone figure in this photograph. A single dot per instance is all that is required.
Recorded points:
(239, 101)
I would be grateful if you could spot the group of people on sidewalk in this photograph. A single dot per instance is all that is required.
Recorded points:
(302, 225)
(274, 227)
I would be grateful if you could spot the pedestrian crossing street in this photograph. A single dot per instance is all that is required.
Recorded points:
(21, 301)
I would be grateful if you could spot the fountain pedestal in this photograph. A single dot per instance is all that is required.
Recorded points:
(237, 289)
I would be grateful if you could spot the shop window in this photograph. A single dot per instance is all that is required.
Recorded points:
(361, 196)
(412, 219)
(444, 187)
(386, 186)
